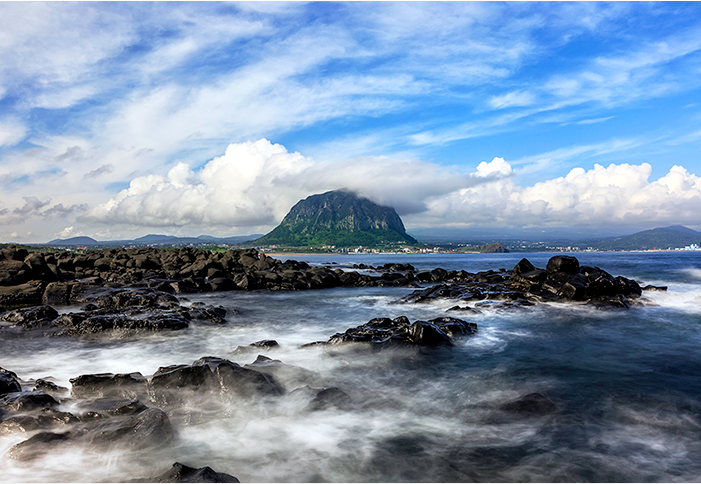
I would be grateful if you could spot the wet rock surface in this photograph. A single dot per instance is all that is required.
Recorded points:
(400, 332)
(564, 280)
(183, 473)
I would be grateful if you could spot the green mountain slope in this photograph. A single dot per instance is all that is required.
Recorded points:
(338, 218)
(659, 238)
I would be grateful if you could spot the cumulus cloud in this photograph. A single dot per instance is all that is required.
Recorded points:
(254, 184)
(603, 196)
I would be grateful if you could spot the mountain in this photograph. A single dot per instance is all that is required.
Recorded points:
(78, 241)
(154, 239)
(675, 236)
(339, 218)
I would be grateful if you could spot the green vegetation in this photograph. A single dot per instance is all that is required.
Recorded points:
(338, 218)
(493, 248)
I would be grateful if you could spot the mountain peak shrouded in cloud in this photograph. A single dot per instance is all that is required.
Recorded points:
(123, 118)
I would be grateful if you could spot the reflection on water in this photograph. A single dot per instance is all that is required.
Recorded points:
(625, 384)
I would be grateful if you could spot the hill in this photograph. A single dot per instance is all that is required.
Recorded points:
(339, 218)
(78, 241)
(675, 236)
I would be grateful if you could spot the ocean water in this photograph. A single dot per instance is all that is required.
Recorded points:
(626, 384)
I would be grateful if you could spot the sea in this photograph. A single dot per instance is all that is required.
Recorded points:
(626, 385)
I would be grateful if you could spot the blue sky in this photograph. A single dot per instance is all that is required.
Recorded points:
(121, 119)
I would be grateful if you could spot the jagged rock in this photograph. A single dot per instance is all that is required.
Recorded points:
(22, 294)
(168, 384)
(124, 385)
(182, 473)
(266, 344)
(50, 388)
(31, 317)
(241, 382)
(288, 375)
(9, 383)
(563, 263)
(26, 401)
(383, 332)
(650, 287)
(149, 429)
(330, 397)
(38, 445)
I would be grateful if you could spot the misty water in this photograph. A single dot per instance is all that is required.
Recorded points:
(626, 385)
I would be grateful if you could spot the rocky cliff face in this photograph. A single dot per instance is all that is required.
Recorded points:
(338, 218)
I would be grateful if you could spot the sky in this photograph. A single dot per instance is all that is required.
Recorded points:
(123, 119)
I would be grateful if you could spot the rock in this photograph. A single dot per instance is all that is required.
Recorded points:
(243, 382)
(266, 344)
(31, 317)
(531, 405)
(57, 293)
(38, 445)
(23, 294)
(150, 429)
(427, 334)
(454, 327)
(50, 388)
(124, 385)
(170, 384)
(385, 332)
(563, 263)
(182, 473)
(650, 287)
(288, 375)
(331, 397)
(9, 382)
(523, 266)
(27, 401)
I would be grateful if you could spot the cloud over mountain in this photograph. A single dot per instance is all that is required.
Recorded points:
(254, 184)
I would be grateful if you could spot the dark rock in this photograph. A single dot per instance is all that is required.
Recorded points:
(331, 397)
(23, 294)
(182, 473)
(288, 375)
(124, 385)
(523, 266)
(563, 263)
(167, 385)
(454, 327)
(9, 382)
(427, 334)
(650, 287)
(150, 429)
(31, 317)
(50, 388)
(531, 405)
(19, 425)
(246, 383)
(38, 445)
(27, 401)
(57, 293)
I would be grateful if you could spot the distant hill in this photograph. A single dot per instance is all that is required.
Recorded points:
(339, 218)
(77, 241)
(660, 238)
(153, 239)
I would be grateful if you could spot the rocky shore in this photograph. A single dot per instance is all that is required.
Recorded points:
(128, 291)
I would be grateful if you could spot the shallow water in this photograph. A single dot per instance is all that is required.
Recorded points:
(625, 383)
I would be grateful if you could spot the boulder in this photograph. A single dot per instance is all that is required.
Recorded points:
(240, 382)
(124, 385)
(38, 445)
(182, 473)
(171, 384)
(50, 388)
(331, 397)
(26, 401)
(31, 317)
(22, 294)
(9, 382)
(427, 334)
(563, 263)
(147, 430)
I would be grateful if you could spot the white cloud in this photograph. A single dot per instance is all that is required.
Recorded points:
(512, 99)
(617, 195)
(255, 184)
(11, 132)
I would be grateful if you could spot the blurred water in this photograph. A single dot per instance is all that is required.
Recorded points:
(625, 383)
